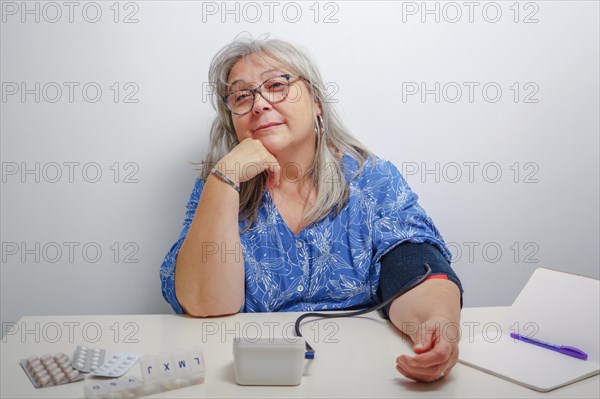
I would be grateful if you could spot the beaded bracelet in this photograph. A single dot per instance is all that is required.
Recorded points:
(225, 179)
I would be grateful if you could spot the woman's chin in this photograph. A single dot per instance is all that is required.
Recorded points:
(271, 143)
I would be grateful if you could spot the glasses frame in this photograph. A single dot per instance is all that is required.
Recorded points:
(257, 89)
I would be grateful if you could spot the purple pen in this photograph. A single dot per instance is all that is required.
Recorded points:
(565, 350)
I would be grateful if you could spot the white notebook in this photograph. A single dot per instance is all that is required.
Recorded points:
(555, 307)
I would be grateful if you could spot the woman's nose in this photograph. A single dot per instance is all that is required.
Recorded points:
(260, 104)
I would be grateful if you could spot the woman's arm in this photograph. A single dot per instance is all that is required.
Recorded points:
(209, 271)
(430, 315)
(209, 274)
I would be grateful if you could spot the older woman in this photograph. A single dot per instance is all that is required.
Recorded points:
(292, 213)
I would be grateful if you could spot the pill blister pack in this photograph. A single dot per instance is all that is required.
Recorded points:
(117, 365)
(160, 373)
(50, 370)
(87, 359)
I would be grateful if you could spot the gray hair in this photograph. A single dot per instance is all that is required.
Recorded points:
(332, 136)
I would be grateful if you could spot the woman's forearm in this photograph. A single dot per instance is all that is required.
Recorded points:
(209, 273)
(435, 300)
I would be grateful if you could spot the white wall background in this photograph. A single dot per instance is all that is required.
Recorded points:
(541, 133)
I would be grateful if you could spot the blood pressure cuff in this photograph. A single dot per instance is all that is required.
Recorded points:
(404, 264)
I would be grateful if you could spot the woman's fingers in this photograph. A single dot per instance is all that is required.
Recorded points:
(419, 375)
(274, 173)
(249, 159)
(431, 365)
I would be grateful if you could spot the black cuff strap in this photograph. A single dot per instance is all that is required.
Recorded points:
(404, 263)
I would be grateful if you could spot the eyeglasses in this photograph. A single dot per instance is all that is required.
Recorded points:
(273, 90)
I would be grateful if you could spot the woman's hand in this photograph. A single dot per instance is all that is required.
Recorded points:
(247, 160)
(435, 343)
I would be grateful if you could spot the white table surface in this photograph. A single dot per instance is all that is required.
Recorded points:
(355, 357)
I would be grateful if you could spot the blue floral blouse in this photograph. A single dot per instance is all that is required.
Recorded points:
(331, 264)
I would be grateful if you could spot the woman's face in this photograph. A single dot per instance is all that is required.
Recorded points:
(292, 127)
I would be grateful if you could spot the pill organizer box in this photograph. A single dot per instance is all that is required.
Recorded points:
(160, 373)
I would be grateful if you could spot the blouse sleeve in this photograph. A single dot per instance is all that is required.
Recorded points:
(398, 217)
(167, 269)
